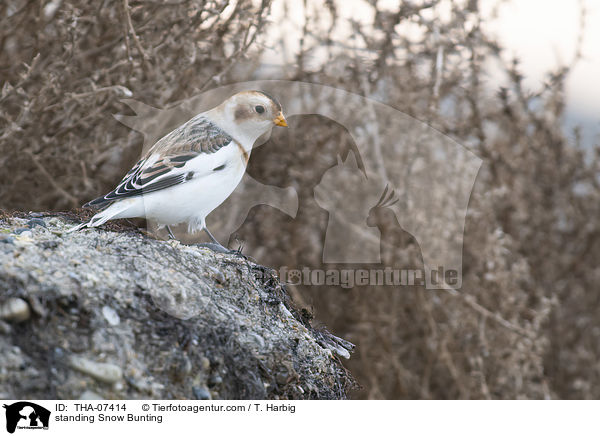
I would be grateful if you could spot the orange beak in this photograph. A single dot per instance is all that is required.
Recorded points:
(280, 120)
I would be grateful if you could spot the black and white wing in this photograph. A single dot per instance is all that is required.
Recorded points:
(163, 165)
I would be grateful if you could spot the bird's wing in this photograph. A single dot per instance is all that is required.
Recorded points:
(163, 165)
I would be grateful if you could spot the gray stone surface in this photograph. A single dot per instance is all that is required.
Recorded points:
(115, 314)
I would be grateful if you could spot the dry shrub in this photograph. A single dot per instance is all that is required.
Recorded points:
(66, 64)
(525, 323)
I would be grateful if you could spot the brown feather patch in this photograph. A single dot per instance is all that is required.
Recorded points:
(242, 113)
(243, 151)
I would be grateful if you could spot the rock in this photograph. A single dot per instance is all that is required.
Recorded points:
(104, 372)
(5, 239)
(204, 363)
(15, 309)
(90, 396)
(201, 393)
(49, 245)
(122, 315)
(111, 315)
(33, 222)
(5, 328)
(37, 307)
(215, 380)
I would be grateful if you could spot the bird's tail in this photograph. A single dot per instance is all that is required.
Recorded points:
(101, 217)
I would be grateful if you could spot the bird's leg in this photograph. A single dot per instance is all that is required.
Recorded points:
(212, 238)
(214, 245)
(171, 235)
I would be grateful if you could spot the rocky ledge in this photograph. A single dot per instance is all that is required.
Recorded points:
(115, 314)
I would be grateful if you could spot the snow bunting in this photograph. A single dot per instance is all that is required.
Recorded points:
(193, 169)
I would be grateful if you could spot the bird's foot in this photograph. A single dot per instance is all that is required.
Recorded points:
(218, 248)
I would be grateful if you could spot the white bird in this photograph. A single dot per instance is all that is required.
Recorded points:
(192, 170)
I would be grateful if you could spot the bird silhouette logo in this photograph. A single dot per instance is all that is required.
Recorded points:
(400, 170)
(26, 415)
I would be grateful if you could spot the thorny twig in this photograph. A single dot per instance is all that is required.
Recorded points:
(136, 40)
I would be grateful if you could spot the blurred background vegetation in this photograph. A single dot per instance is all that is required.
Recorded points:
(526, 323)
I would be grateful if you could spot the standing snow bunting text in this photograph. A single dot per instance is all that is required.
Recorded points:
(192, 170)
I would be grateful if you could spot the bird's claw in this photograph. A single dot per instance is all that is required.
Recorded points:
(218, 248)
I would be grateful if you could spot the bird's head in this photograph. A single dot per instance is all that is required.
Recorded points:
(252, 113)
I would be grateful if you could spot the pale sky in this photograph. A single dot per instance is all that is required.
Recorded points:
(543, 33)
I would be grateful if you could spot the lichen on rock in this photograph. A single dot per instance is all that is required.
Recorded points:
(114, 314)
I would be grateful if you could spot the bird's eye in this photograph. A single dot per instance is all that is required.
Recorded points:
(259, 109)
